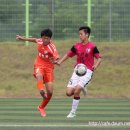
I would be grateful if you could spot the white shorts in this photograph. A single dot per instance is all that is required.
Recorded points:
(80, 80)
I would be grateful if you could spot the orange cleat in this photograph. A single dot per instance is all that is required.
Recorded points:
(42, 111)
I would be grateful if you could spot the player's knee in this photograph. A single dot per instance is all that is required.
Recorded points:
(50, 93)
(39, 76)
(69, 94)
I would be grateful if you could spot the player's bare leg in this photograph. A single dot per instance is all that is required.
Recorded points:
(70, 91)
(48, 95)
(49, 90)
(75, 102)
(40, 87)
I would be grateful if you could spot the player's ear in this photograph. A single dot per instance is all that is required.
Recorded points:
(88, 35)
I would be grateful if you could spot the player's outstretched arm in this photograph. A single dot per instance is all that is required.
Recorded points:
(65, 57)
(18, 37)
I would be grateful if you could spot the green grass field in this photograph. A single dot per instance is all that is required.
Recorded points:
(111, 80)
(92, 114)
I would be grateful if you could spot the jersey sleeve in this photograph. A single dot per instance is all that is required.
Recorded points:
(96, 53)
(39, 41)
(56, 55)
(55, 52)
(72, 52)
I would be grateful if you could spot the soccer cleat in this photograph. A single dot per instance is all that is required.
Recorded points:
(84, 90)
(71, 115)
(42, 111)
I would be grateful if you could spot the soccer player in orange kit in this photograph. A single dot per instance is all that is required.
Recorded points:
(44, 65)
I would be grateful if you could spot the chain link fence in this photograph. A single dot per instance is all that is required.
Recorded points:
(110, 19)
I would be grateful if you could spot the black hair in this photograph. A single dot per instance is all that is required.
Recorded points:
(86, 29)
(46, 32)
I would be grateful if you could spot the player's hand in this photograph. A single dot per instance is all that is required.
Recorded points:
(58, 63)
(18, 37)
(54, 61)
(94, 67)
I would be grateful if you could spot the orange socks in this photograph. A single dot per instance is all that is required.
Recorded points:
(40, 85)
(45, 101)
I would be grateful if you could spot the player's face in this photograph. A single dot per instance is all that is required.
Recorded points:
(46, 40)
(83, 36)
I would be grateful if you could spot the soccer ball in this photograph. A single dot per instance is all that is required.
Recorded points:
(80, 69)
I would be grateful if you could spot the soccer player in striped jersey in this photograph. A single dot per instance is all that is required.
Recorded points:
(86, 51)
(44, 66)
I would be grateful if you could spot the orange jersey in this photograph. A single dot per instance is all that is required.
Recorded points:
(45, 54)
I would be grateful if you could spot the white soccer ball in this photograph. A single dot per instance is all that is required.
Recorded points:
(80, 69)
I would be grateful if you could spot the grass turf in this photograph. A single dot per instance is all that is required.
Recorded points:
(94, 114)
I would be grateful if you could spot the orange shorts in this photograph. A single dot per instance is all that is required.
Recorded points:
(46, 72)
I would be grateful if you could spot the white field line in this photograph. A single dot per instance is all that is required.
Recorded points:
(60, 125)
